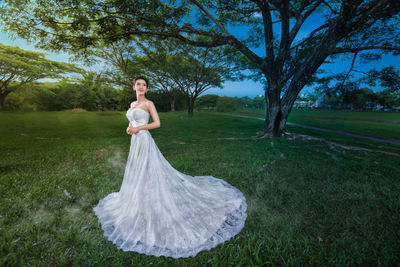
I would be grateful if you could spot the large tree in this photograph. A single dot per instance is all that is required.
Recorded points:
(117, 58)
(192, 70)
(160, 80)
(125, 62)
(174, 68)
(286, 66)
(19, 67)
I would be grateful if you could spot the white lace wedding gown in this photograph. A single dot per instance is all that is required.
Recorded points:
(162, 212)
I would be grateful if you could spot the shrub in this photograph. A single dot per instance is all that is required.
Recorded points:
(226, 104)
(13, 101)
(206, 102)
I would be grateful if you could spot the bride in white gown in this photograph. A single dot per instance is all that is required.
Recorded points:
(160, 211)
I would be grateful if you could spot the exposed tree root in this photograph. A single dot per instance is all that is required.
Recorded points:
(376, 139)
(334, 146)
(236, 138)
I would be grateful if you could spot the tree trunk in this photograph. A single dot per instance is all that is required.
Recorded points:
(273, 114)
(171, 98)
(172, 102)
(190, 106)
(3, 95)
(285, 111)
(278, 109)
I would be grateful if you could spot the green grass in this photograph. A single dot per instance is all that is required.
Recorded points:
(384, 125)
(332, 137)
(389, 116)
(373, 115)
(308, 204)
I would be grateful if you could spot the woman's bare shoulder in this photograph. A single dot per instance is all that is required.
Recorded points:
(150, 103)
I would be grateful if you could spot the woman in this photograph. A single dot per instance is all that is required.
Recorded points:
(160, 211)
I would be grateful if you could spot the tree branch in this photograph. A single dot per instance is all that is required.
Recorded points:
(311, 35)
(339, 50)
(211, 17)
(363, 72)
(301, 20)
(285, 36)
(232, 40)
(330, 8)
(351, 68)
(268, 33)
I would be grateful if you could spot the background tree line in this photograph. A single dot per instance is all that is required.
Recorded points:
(178, 75)
(87, 94)
(90, 93)
(289, 61)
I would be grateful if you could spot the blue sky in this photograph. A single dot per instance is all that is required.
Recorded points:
(239, 88)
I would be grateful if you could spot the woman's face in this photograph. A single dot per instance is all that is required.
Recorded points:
(140, 86)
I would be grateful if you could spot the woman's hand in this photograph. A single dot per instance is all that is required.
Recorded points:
(131, 130)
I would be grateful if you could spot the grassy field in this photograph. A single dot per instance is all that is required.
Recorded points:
(308, 203)
(368, 115)
(378, 124)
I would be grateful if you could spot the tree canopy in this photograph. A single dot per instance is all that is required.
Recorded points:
(192, 70)
(19, 67)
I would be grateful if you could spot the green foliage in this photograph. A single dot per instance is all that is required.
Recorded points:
(162, 102)
(13, 101)
(66, 95)
(206, 101)
(24, 65)
(126, 97)
(107, 98)
(121, 65)
(388, 99)
(19, 67)
(259, 102)
(174, 70)
(330, 101)
(192, 70)
(344, 91)
(46, 99)
(226, 104)
(362, 99)
(245, 102)
(160, 99)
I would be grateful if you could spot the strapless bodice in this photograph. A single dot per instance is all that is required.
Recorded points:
(138, 116)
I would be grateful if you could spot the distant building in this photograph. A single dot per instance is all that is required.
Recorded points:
(306, 104)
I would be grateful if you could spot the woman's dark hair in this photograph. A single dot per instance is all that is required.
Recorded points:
(141, 78)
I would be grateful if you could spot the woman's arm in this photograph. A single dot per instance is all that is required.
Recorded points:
(156, 120)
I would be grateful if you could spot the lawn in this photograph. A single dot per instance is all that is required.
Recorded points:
(384, 125)
(308, 203)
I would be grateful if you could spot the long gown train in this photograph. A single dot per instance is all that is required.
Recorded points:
(162, 212)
